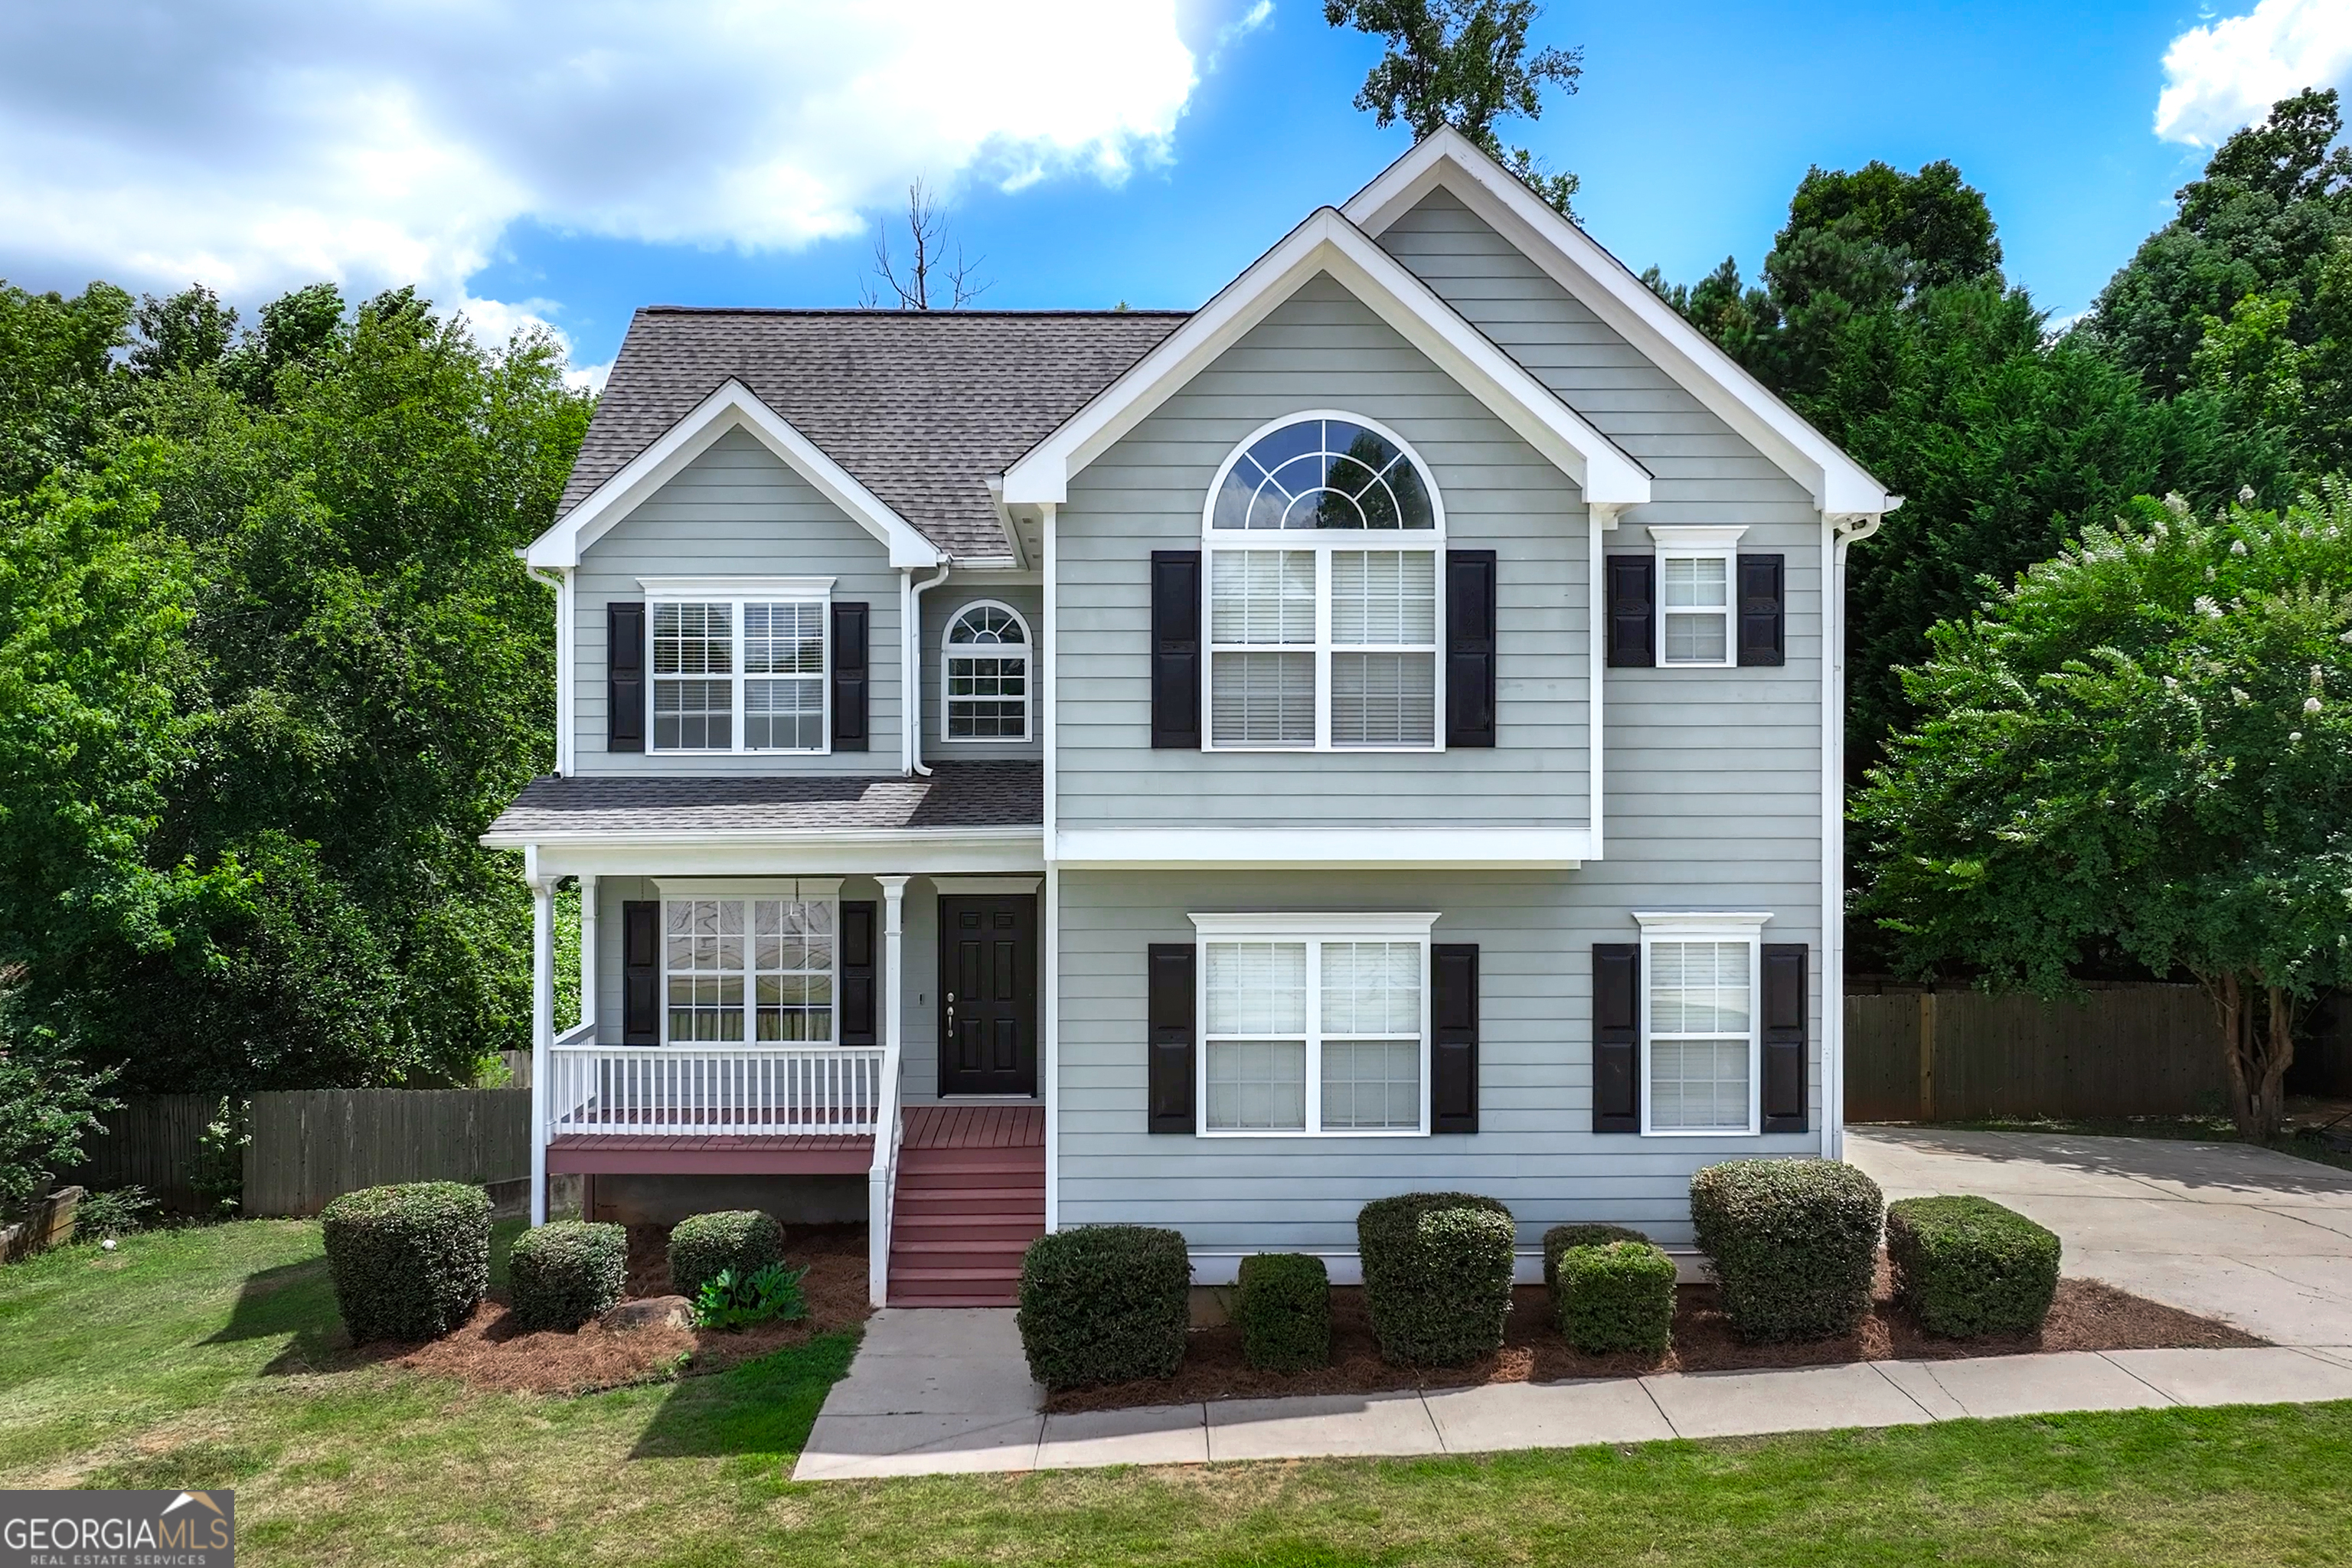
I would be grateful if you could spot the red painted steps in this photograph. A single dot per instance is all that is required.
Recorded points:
(970, 1199)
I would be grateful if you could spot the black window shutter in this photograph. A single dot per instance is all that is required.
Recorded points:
(858, 971)
(1176, 655)
(1786, 1005)
(849, 677)
(1616, 1036)
(1168, 989)
(641, 972)
(1469, 647)
(624, 676)
(1632, 601)
(1763, 609)
(1454, 1043)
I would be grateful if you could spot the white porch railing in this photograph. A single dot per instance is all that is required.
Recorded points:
(701, 1089)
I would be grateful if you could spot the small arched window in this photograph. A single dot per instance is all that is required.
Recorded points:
(984, 674)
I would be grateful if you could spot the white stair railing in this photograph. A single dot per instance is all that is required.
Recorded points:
(882, 1183)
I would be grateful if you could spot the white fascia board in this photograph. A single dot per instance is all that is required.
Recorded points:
(940, 852)
(1328, 242)
(1370, 848)
(733, 407)
(1609, 288)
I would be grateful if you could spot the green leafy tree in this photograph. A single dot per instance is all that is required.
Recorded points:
(57, 378)
(2143, 747)
(48, 1105)
(1463, 63)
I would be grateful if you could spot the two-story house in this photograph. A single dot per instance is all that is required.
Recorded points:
(1377, 731)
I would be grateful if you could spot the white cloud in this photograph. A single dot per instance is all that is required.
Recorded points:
(258, 144)
(2227, 74)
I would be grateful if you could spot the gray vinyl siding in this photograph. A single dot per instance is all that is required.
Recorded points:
(737, 511)
(940, 607)
(1534, 1149)
(1320, 349)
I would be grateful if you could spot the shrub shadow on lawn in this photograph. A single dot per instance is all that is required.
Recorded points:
(292, 1298)
(765, 1408)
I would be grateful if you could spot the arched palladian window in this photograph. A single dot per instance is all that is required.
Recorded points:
(984, 674)
(1322, 533)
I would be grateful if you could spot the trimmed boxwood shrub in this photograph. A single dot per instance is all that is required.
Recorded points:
(561, 1275)
(1966, 1266)
(1437, 1276)
(1794, 1244)
(705, 1245)
(408, 1262)
(1560, 1238)
(1107, 1303)
(1283, 1306)
(1618, 1297)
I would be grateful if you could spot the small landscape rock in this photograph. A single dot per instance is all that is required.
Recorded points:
(652, 1312)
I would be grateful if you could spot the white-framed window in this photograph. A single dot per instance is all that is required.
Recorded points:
(750, 966)
(1323, 536)
(740, 664)
(1313, 1025)
(1697, 576)
(984, 674)
(1701, 999)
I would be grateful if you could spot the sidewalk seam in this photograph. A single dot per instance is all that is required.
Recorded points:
(1652, 1396)
(1881, 1370)
(2168, 1400)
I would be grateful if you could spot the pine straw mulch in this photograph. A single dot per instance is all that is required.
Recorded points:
(486, 1352)
(2086, 1316)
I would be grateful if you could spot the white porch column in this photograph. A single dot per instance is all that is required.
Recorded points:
(543, 1025)
(587, 951)
(882, 1176)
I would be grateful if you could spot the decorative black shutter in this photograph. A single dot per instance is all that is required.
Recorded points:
(624, 676)
(641, 973)
(1470, 647)
(1168, 989)
(1632, 601)
(1616, 1036)
(1786, 1005)
(1454, 1037)
(1176, 656)
(1762, 609)
(849, 677)
(858, 970)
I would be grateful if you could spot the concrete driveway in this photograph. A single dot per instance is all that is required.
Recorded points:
(2259, 1239)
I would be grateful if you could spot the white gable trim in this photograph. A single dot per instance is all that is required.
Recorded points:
(732, 407)
(1328, 242)
(1610, 291)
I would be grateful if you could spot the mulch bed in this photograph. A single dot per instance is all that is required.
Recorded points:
(487, 1352)
(2086, 1316)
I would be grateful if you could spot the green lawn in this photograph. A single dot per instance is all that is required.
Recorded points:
(192, 1358)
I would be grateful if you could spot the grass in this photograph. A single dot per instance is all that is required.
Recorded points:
(204, 1358)
(2193, 1128)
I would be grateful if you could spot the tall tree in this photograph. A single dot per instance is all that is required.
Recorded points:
(932, 277)
(1463, 63)
(58, 377)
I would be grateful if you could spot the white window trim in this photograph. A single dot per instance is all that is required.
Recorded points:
(736, 890)
(1679, 543)
(1322, 543)
(735, 592)
(983, 650)
(1707, 926)
(1314, 930)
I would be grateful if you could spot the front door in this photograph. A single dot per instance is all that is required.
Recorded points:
(988, 994)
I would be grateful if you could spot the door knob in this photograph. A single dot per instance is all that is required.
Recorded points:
(950, 1012)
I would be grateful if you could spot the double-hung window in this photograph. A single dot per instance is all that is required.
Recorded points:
(1697, 575)
(756, 969)
(740, 664)
(1700, 1001)
(1322, 537)
(1314, 1024)
(985, 674)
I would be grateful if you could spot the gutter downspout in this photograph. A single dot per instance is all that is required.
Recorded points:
(1052, 1045)
(911, 682)
(1844, 533)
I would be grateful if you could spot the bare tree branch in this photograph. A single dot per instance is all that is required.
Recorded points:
(930, 281)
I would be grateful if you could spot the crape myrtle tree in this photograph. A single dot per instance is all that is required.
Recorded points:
(2143, 747)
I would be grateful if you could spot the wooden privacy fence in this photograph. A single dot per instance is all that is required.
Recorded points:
(151, 1141)
(2123, 1049)
(312, 1145)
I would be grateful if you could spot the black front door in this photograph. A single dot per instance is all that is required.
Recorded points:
(988, 994)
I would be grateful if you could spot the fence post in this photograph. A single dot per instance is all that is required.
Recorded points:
(1928, 1055)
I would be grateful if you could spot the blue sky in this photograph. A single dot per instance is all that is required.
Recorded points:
(535, 159)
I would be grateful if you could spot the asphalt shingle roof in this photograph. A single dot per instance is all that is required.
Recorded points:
(957, 794)
(923, 406)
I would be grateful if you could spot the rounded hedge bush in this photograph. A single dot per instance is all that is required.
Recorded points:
(1437, 1276)
(1283, 1306)
(1108, 1303)
(1794, 1243)
(1560, 1238)
(704, 1245)
(408, 1262)
(1615, 1296)
(1965, 1266)
(561, 1275)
